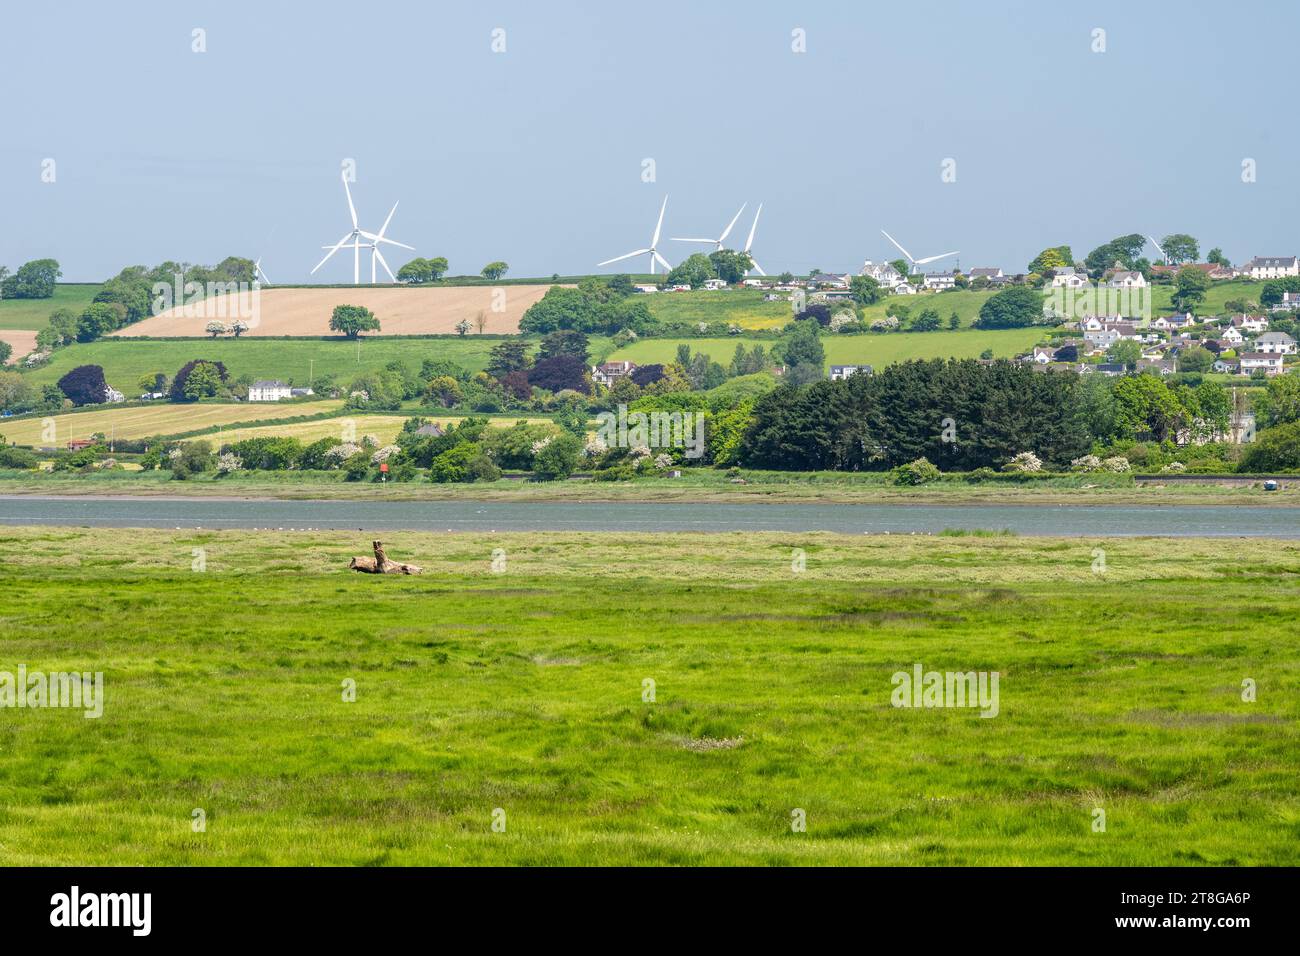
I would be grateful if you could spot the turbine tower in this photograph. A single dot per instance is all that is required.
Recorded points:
(750, 241)
(916, 263)
(353, 239)
(717, 243)
(654, 241)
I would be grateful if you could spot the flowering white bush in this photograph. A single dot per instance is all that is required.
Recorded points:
(1025, 461)
(595, 446)
(228, 462)
(663, 461)
(640, 451)
(1118, 464)
(887, 324)
(174, 454)
(841, 319)
(1086, 463)
(542, 443)
(1174, 466)
(384, 454)
(369, 441)
(341, 453)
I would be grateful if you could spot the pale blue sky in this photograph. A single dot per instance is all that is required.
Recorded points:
(534, 156)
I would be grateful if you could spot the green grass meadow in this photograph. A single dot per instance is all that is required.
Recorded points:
(34, 314)
(523, 691)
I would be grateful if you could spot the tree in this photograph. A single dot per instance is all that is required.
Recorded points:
(352, 320)
(954, 321)
(494, 270)
(203, 381)
(644, 375)
(506, 357)
(558, 373)
(1195, 359)
(865, 290)
(1216, 256)
(927, 321)
(462, 327)
(785, 278)
(84, 385)
(1275, 449)
(414, 272)
(1280, 403)
(1051, 259)
(1013, 308)
(1125, 352)
(215, 328)
(33, 280)
(1124, 250)
(98, 319)
(901, 266)
(804, 348)
(1191, 286)
(731, 265)
(6, 350)
(557, 458)
(1180, 248)
(695, 271)
(179, 392)
(564, 342)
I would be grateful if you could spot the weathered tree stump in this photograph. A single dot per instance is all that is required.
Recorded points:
(380, 563)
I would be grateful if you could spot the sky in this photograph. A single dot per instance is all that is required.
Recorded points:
(536, 155)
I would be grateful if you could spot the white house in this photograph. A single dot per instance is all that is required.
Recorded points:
(938, 281)
(1250, 323)
(844, 371)
(1067, 278)
(1272, 267)
(882, 272)
(1275, 342)
(610, 372)
(269, 391)
(1127, 280)
(113, 395)
(1290, 300)
(1270, 362)
(1232, 336)
(714, 285)
(981, 272)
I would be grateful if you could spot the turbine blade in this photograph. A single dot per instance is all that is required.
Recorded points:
(726, 232)
(900, 248)
(921, 262)
(265, 277)
(351, 208)
(757, 267)
(381, 238)
(655, 241)
(752, 229)
(639, 252)
(676, 239)
(663, 262)
(337, 246)
(384, 227)
(384, 263)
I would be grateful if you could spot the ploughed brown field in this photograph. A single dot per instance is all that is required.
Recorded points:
(23, 341)
(401, 311)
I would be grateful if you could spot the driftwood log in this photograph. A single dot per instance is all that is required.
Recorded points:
(380, 563)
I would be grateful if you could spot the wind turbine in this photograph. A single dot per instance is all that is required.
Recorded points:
(1151, 239)
(915, 262)
(750, 241)
(257, 271)
(654, 241)
(717, 243)
(353, 239)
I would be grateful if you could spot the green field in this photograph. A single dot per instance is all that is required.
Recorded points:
(292, 360)
(34, 314)
(744, 307)
(522, 691)
(878, 350)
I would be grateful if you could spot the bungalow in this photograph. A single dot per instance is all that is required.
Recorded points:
(269, 390)
(1276, 342)
(1111, 368)
(608, 373)
(1042, 356)
(1269, 362)
(838, 372)
(1272, 267)
(1170, 322)
(1067, 278)
(821, 279)
(1250, 323)
(1161, 366)
(301, 392)
(1225, 366)
(1125, 279)
(939, 281)
(1232, 337)
(984, 273)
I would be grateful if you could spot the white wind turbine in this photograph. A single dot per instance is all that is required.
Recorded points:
(654, 241)
(717, 243)
(750, 241)
(257, 271)
(915, 262)
(355, 235)
(1153, 242)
